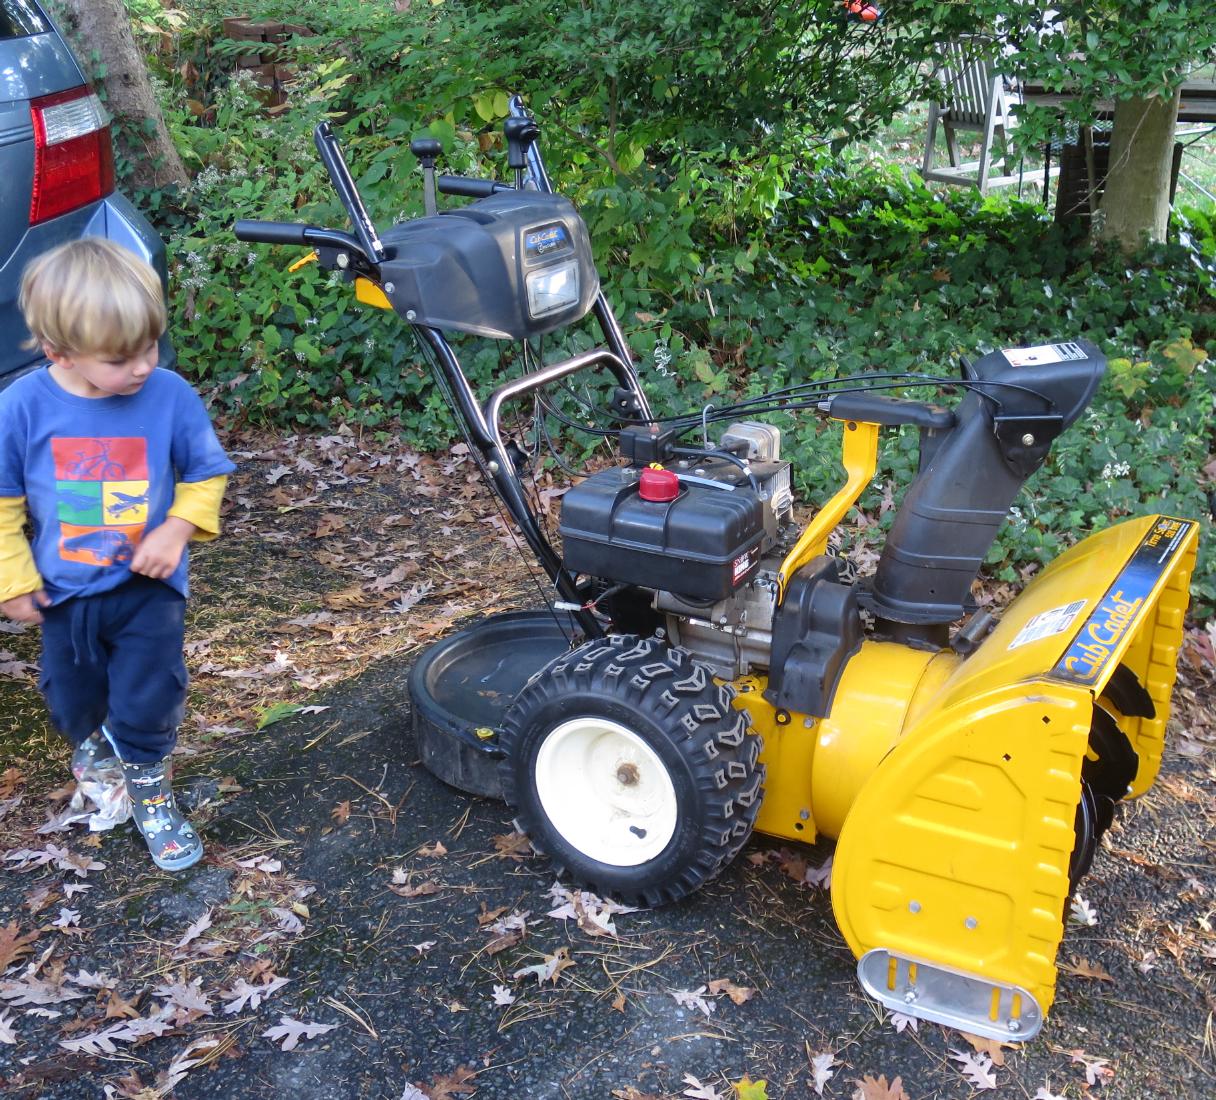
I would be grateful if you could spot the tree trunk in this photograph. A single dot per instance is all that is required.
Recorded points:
(102, 26)
(1136, 202)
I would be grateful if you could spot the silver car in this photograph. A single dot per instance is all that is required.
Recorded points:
(56, 169)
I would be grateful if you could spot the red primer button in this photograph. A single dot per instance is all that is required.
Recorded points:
(659, 486)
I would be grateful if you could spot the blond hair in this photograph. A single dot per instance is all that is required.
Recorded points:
(92, 297)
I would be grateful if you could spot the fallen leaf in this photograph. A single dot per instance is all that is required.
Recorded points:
(190, 997)
(1081, 912)
(488, 916)
(747, 1089)
(976, 1068)
(514, 846)
(901, 1020)
(503, 996)
(821, 1070)
(243, 994)
(288, 1032)
(330, 523)
(740, 994)
(276, 712)
(422, 890)
(195, 930)
(341, 812)
(870, 1089)
(699, 1091)
(1083, 968)
(549, 969)
(409, 599)
(994, 1048)
(458, 1082)
(1096, 1069)
(7, 1034)
(693, 998)
(13, 944)
(127, 1031)
(819, 876)
(433, 850)
(119, 1008)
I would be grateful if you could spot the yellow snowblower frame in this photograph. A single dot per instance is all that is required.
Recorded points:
(952, 783)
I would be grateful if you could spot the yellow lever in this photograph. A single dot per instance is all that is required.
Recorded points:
(311, 258)
(859, 456)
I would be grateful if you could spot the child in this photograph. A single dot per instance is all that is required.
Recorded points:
(118, 466)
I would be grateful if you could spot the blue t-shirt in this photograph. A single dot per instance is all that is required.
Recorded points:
(99, 472)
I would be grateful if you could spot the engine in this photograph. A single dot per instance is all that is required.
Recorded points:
(705, 538)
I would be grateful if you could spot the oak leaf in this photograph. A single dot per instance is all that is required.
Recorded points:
(549, 969)
(821, 1070)
(994, 1048)
(977, 1068)
(870, 1089)
(13, 944)
(288, 1032)
(433, 850)
(456, 1083)
(514, 846)
(1083, 968)
(341, 812)
(698, 1091)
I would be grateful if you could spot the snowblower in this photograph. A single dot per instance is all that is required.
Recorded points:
(707, 668)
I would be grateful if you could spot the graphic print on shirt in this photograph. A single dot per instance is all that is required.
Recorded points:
(101, 494)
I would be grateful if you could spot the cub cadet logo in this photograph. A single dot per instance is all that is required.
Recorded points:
(1166, 529)
(1101, 634)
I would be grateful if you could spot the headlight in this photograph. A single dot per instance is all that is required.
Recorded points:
(553, 289)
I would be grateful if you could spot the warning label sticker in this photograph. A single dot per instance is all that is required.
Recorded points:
(1043, 354)
(1044, 625)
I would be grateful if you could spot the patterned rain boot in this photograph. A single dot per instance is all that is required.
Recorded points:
(94, 754)
(171, 839)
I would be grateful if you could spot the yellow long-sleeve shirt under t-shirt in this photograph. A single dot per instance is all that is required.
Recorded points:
(197, 502)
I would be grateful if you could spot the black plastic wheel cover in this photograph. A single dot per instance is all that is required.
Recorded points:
(460, 687)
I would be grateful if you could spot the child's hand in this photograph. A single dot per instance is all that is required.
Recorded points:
(160, 550)
(24, 609)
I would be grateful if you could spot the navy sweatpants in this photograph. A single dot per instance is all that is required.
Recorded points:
(116, 659)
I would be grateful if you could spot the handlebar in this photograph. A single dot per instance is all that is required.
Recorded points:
(297, 233)
(470, 188)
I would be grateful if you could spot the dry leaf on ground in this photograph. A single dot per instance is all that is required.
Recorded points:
(289, 1032)
(868, 1088)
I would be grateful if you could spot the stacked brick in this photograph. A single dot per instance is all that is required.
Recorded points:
(259, 60)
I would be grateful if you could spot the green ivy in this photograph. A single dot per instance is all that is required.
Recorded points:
(740, 252)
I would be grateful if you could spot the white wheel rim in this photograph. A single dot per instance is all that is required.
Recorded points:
(606, 792)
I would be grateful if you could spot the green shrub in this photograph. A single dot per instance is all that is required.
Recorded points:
(740, 257)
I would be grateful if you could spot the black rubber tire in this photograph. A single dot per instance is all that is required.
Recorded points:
(667, 699)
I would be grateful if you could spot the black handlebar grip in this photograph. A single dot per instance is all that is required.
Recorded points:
(271, 232)
(873, 408)
(473, 189)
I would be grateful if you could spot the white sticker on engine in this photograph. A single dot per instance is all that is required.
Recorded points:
(741, 565)
(1044, 353)
(1044, 625)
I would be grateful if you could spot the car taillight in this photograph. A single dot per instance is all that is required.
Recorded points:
(73, 158)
